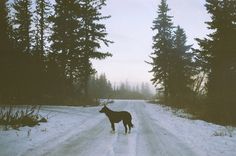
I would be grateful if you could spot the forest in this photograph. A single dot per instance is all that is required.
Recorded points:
(201, 80)
(100, 87)
(47, 51)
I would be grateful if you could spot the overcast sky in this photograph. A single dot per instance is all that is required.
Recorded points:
(130, 28)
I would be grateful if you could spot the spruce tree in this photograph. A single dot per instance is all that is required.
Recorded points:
(182, 71)
(42, 25)
(218, 57)
(64, 56)
(40, 75)
(4, 25)
(22, 24)
(92, 34)
(5, 52)
(163, 48)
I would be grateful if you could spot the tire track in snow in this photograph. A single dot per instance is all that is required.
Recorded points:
(94, 141)
(155, 140)
(126, 143)
(93, 137)
(56, 143)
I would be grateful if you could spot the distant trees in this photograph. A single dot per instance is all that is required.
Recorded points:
(217, 55)
(46, 52)
(127, 91)
(100, 87)
(172, 63)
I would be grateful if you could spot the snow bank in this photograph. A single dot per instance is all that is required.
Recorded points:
(204, 138)
(63, 122)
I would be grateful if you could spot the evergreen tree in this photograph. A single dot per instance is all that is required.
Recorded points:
(163, 48)
(5, 52)
(218, 57)
(92, 33)
(4, 25)
(77, 36)
(42, 24)
(182, 72)
(15, 73)
(99, 87)
(65, 55)
(22, 24)
(38, 65)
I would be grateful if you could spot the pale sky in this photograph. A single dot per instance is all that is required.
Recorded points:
(130, 28)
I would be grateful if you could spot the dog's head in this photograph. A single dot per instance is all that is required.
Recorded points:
(104, 109)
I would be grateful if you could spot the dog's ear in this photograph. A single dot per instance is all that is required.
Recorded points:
(105, 105)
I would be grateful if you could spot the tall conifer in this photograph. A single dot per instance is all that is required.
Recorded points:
(22, 24)
(218, 56)
(182, 71)
(92, 35)
(163, 48)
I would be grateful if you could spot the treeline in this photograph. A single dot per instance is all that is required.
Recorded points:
(127, 91)
(46, 50)
(202, 80)
(101, 88)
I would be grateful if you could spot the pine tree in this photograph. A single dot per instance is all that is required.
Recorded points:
(65, 55)
(163, 48)
(77, 36)
(4, 25)
(218, 57)
(99, 87)
(92, 33)
(5, 52)
(42, 25)
(22, 24)
(39, 74)
(182, 71)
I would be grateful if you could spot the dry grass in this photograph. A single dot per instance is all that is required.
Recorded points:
(19, 116)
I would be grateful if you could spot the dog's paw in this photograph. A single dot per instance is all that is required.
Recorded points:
(112, 132)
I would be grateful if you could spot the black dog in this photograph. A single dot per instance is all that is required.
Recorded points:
(116, 117)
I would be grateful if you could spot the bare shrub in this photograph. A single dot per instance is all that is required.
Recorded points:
(18, 116)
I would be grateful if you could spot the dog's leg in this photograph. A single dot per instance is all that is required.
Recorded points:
(125, 124)
(113, 127)
(130, 125)
(129, 128)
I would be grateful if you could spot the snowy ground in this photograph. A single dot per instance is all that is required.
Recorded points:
(79, 131)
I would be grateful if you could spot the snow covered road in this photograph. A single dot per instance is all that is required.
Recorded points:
(78, 131)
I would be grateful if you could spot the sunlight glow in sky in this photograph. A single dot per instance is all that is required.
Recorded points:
(130, 28)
